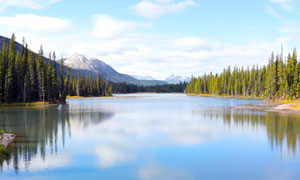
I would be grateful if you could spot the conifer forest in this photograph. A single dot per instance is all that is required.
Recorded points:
(29, 77)
(279, 79)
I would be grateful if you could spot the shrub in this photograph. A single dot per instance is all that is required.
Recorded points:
(4, 152)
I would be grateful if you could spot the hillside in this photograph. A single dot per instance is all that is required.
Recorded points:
(84, 65)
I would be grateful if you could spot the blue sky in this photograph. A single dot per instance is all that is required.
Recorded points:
(157, 37)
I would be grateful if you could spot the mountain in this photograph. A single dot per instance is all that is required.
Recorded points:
(6, 40)
(143, 77)
(173, 79)
(85, 64)
(18, 47)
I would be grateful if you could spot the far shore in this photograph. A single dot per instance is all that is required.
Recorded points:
(272, 107)
(283, 106)
(27, 104)
(30, 104)
(224, 96)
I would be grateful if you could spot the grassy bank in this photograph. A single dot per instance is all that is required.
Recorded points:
(223, 96)
(74, 97)
(282, 104)
(292, 104)
(82, 97)
(26, 104)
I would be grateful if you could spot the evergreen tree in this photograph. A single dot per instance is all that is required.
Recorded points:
(10, 81)
(54, 91)
(62, 78)
(41, 76)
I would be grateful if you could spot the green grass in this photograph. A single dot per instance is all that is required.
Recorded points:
(290, 101)
(25, 104)
(222, 95)
(295, 104)
(74, 97)
(202, 95)
(4, 152)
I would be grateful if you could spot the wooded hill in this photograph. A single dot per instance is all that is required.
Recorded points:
(27, 77)
(279, 79)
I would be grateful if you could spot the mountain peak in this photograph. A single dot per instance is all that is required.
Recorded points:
(80, 61)
(175, 79)
(143, 77)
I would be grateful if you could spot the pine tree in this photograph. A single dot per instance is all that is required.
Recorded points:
(1, 77)
(10, 84)
(33, 84)
(66, 84)
(108, 91)
(41, 76)
(62, 78)
(295, 74)
(48, 78)
(54, 91)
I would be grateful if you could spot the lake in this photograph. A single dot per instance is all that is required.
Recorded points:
(151, 136)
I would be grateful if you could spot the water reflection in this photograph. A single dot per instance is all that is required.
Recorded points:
(117, 132)
(39, 131)
(36, 128)
(282, 129)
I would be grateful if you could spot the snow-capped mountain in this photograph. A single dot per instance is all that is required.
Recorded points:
(142, 77)
(79, 61)
(175, 79)
(89, 65)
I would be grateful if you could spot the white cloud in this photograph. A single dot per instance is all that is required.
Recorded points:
(33, 23)
(160, 56)
(285, 4)
(150, 55)
(28, 4)
(51, 161)
(163, 1)
(192, 44)
(121, 44)
(107, 27)
(119, 138)
(153, 9)
(290, 27)
(158, 172)
(271, 11)
(109, 156)
(291, 30)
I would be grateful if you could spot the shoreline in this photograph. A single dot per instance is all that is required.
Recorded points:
(224, 96)
(31, 104)
(271, 107)
(283, 106)
(88, 97)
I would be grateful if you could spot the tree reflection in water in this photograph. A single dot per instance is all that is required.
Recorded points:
(38, 128)
(43, 130)
(282, 128)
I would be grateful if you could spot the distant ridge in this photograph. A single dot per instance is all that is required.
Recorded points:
(85, 64)
(173, 79)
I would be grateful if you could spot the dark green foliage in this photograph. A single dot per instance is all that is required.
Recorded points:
(88, 86)
(131, 88)
(4, 152)
(278, 79)
(27, 77)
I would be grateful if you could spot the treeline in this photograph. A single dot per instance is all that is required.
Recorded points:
(27, 77)
(279, 79)
(89, 86)
(131, 88)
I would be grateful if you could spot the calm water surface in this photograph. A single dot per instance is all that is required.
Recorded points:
(151, 136)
